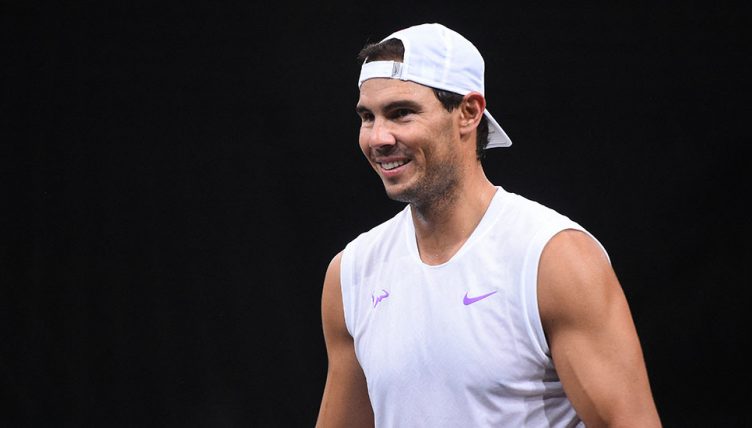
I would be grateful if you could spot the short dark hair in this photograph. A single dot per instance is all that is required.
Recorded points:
(394, 50)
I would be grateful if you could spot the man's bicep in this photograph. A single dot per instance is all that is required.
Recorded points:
(345, 401)
(332, 310)
(591, 334)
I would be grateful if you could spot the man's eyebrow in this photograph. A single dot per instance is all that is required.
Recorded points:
(394, 105)
(399, 104)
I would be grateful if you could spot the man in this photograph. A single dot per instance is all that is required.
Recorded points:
(472, 307)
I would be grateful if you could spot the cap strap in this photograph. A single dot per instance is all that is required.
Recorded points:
(388, 69)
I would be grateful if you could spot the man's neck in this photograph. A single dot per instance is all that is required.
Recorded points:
(443, 225)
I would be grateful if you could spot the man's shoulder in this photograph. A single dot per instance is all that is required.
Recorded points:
(523, 214)
(529, 207)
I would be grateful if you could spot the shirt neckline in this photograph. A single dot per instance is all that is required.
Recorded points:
(488, 219)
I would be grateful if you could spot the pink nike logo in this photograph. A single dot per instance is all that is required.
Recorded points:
(377, 300)
(471, 300)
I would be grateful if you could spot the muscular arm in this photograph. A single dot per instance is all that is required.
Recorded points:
(345, 402)
(591, 334)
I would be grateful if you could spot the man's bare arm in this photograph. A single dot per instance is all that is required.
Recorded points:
(345, 402)
(593, 341)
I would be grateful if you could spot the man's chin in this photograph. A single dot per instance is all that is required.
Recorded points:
(397, 193)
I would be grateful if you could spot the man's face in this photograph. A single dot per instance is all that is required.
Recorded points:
(409, 138)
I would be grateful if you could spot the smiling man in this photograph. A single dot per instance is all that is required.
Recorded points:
(473, 306)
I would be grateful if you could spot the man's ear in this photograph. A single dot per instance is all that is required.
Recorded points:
(471, 111)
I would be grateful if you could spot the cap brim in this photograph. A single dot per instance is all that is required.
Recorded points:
(496, 136)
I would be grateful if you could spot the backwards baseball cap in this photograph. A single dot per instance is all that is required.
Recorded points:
(440, 58)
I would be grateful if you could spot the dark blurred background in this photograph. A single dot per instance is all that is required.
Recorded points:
(177, 177)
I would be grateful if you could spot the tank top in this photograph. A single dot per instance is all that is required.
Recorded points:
(458, 344)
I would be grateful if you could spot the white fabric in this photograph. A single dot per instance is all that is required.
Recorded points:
(441, 58)
(432, 361)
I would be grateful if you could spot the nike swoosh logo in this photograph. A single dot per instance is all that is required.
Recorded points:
(471, 300)
(377, 300)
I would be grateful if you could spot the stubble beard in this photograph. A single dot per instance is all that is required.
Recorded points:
(435, 190)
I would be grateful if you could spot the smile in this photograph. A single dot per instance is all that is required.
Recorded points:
(392, 165)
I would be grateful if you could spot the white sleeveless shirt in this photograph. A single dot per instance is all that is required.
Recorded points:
(459, 344)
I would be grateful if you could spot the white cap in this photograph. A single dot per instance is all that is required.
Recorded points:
(440, 58)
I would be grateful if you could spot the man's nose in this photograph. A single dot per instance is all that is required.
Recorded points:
(381, 136)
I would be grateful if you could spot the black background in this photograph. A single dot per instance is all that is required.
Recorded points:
(179, 175)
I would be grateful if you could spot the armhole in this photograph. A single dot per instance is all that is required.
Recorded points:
(530, 289)
(346, 286)
(530, 281)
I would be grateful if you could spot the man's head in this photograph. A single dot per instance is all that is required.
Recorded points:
(424, 123)
(437, 57)
(394, 50)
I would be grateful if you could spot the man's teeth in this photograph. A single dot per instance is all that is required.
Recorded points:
(392, 165)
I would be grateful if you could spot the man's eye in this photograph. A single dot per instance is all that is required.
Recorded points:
(402, 112)
(366, 117)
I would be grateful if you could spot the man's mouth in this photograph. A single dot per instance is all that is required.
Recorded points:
(392, 165)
